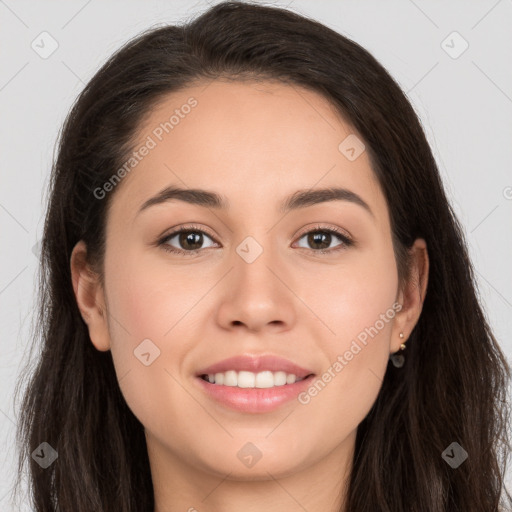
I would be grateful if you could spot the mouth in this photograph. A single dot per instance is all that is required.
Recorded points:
(252, 383)
(250, 380)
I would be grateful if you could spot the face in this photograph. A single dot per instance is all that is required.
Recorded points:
(313, 285)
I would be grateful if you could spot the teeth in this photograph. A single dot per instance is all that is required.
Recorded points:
(243, 379)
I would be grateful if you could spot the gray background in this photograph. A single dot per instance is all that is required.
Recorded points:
(465, 104)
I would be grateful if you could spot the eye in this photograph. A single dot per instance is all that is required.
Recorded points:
(189, 240)
(320, 239)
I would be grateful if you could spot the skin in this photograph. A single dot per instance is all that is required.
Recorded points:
(255, 143)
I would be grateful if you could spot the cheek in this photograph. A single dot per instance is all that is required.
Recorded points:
(149, 311)
(341, 396)
(150, 300)
(359, 308)
(351, 297)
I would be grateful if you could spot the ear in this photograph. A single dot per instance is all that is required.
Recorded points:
(89, 297)
(412, 296)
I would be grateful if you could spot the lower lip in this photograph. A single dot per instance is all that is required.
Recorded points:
(254, 400)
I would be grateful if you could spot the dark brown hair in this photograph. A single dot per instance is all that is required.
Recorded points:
(452, 387)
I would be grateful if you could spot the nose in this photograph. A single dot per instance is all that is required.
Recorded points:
(257, 293)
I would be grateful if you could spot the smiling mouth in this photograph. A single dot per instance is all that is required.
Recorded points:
(246, 379)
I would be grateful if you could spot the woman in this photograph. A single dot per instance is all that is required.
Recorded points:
(255, 294)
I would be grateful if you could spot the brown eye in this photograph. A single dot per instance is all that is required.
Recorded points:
(320, 240)
(185, 241)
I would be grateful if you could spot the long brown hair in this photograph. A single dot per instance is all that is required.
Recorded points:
(452, 387)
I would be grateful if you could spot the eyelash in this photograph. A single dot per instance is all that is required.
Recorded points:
(347, 242)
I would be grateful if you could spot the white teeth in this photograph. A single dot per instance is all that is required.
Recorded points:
(229, 378)
(244, 379)
(280, 378)
(265, 380)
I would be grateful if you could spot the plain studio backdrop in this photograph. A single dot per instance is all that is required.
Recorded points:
(451, 59)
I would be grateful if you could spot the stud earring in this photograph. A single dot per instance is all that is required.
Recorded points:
(402, 346)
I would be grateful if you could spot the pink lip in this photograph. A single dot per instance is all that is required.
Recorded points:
(254, 400)
(256, 364)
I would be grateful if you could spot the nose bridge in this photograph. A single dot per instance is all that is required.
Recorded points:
(252, 258)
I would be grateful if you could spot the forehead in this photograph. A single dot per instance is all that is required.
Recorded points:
(257, 139)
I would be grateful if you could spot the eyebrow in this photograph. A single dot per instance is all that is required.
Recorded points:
(299, 199)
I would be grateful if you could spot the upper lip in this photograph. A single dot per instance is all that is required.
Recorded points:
(255, 364)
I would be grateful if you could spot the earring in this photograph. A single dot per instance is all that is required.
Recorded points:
(397, 358)
(402, 346)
